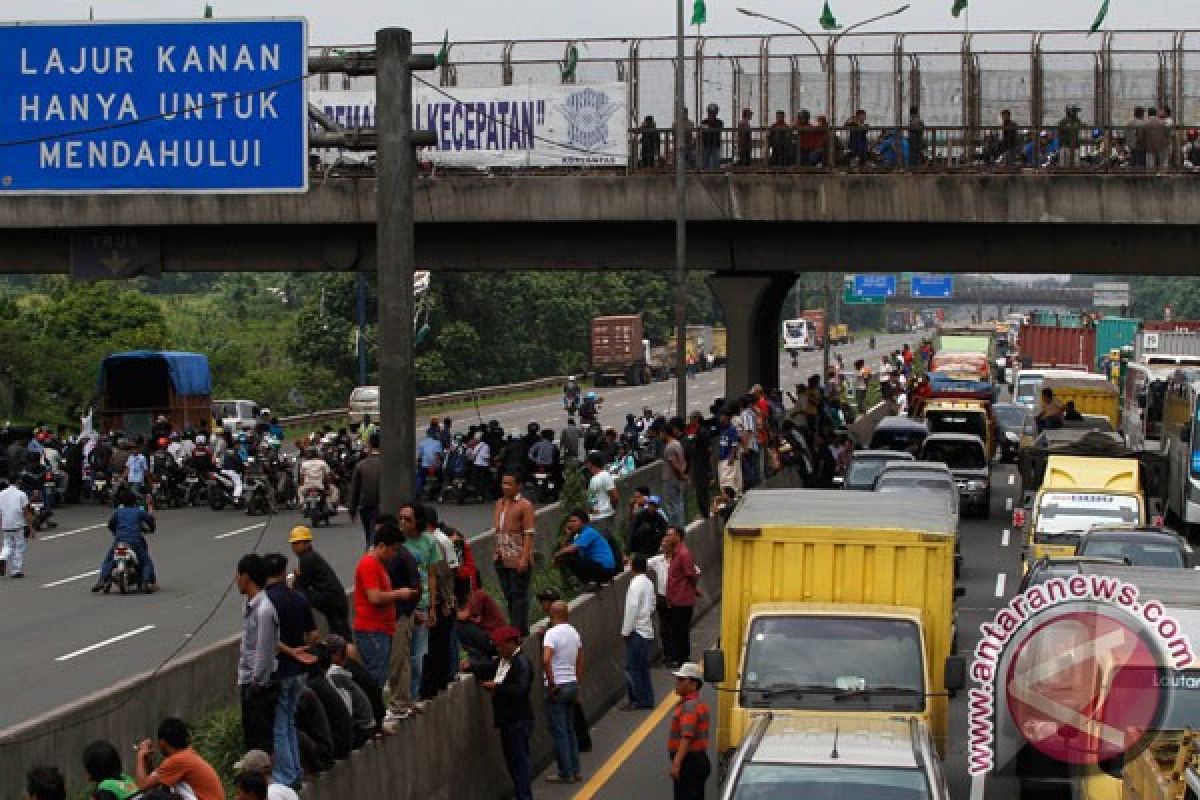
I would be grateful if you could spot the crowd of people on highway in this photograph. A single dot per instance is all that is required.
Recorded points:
(1149, 140)
(322, 672)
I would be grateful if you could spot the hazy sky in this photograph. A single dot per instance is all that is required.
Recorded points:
(356, 20)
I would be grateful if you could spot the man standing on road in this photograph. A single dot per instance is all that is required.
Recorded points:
(512, 712)
(297, 630)
(256, 658)
(562, 669)
(317, 581)
(688, 741)
(375, 604)
(513, 520)
(364, 489)
(674, 473)
(568, 442)
(429, 455)
(638, 629)
(682, 589)
(16, 522)
(603, 497)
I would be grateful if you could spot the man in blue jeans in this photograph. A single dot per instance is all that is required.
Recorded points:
(511, 710)
(637, 628)
(562, 667)
(375, 604)
(297, 630)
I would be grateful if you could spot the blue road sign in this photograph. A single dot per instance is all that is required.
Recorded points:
(178, 106)
(933, 286)
(875, 285)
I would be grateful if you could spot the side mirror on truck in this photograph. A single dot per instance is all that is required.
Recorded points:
(960, 592)
(714, 666)
(956, 674)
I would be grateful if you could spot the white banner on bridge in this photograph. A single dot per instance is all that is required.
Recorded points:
(536, 125)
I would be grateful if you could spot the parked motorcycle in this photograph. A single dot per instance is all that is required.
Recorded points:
(257, 492)
(220, 491)
(192, 490)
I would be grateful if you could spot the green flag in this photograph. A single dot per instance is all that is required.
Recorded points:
(208, 11)
(568, 71)
(699, 13)
(443, 55)
(1100, 15)
(959, 7)
(828, 21)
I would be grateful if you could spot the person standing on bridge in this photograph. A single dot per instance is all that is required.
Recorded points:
(649, 142)
(1009, 146)
(710, 138)
(745, 138)
(779, 139)
(1155, 141)
(687, 744)
(1069, 128)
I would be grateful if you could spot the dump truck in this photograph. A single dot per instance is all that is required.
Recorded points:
(836, 603)
(1091, 393)
(139, 386)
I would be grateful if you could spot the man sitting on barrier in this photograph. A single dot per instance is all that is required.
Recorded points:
(589, 556)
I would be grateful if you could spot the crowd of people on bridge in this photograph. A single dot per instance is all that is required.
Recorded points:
(322, 672)
(1150, 140)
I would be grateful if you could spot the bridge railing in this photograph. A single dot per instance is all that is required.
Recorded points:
(794, 148)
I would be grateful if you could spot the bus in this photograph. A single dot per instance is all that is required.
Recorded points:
(799, 334)
(1143, 392)
(1181, 446)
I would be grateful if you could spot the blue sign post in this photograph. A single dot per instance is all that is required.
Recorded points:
(183, 106)
(875, 285)
(933, 286)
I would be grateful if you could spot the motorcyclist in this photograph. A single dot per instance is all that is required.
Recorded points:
(589, 408)
(532, 436)
(645, 420)
(571, 394)
(127, 524)
(544, 456)
(201, 458)
(316, 474)
(231, 467)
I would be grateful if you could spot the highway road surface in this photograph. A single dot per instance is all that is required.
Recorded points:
(63, 642)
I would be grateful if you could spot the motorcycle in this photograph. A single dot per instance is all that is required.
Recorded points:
(283, 470)
(256, 493)
(220, 491)
(102, 491)
(127, 570)
(191, 491)
(433, 484)
(315, 509)
(31, 481)
(542, 487)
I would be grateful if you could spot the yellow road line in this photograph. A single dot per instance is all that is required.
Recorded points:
(622, 754)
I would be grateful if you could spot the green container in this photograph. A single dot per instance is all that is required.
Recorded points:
(1113, 333)
(1065, 320)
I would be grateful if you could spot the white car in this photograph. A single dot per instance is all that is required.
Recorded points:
(236, 415)
(364, 402)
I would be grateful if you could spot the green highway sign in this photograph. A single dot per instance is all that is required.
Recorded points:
(852, 299)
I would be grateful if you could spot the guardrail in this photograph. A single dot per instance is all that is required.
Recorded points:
(438, 400)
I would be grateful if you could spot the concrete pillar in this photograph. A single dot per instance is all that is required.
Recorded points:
(753, 310)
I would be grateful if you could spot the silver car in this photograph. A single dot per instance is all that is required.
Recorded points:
(364, 402)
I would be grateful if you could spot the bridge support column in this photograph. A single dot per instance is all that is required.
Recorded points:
(753, 310)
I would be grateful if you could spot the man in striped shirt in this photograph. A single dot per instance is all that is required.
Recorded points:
(688, 741)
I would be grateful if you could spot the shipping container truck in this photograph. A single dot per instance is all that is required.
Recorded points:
(900, 320)
(839, 333)
(836, 603)
(1190, 325)
(720, 344)
(139, 386)
(620, 353)
(699, 343)
(1049, 346)
(1160, 346)
(817, 317)
(1114, 333)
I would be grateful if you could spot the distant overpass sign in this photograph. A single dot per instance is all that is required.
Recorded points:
(177, 106)
(1110, 295)
(940, 287)
(875, 285)
(851, 299)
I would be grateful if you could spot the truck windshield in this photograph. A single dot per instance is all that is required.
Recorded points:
(1059, 512)
(813, 782)
(955, 454)
(1027, 389)
(794, 330)
(808, 661)
(958, 422)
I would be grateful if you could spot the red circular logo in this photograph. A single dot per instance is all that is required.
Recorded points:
(1083, 687)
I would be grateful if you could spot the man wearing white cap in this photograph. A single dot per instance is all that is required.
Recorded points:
(258, 761)
(688, 741)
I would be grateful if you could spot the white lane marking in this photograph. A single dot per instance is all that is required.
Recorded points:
(72, 533)
(52, 584)
(977, 785)
(1008, 504)
(1000, 578)
(105, 643)
(1004, 538)
(246, 529)
(1012, 479)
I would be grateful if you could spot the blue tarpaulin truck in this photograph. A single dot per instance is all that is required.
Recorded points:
(139, 386)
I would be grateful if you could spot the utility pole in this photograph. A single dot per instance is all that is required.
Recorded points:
(828, 323)
(360, 285)
(396, 260)
(681, 152)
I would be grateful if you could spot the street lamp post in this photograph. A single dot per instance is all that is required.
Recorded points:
(680, 151)
(828, 66)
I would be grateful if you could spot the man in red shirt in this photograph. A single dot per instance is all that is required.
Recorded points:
(687, 744)
(375, 604)
(682, 590)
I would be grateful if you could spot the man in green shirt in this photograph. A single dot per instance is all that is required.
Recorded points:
(427, 553)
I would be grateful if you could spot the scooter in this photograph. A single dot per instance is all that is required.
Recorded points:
(256, 494)
(220, 491)
(126, 572)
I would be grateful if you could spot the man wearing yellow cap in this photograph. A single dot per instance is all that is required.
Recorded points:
(317, 581)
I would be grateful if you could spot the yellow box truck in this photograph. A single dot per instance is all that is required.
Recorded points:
(835, 603)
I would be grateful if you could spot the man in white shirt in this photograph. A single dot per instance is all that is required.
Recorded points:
(602, 495)
(15, 518)
(562, 668)
(638, 630)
